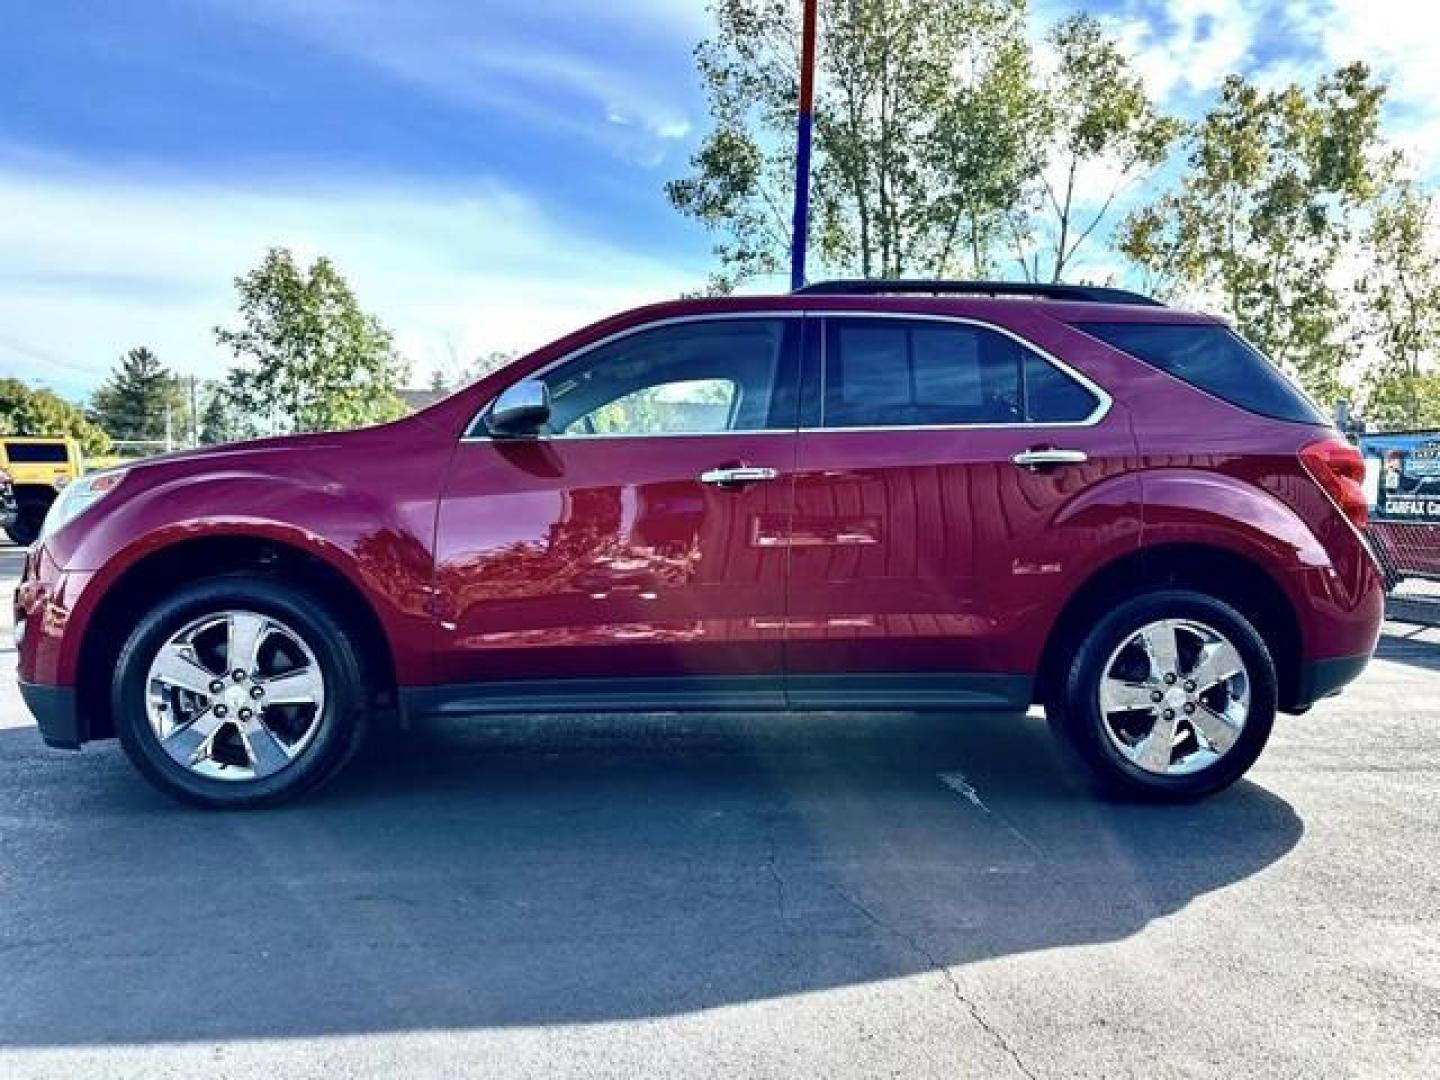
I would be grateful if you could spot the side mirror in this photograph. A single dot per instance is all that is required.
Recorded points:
(521, 410)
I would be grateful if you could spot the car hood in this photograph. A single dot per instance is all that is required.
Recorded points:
(415, 426)
(208, 455)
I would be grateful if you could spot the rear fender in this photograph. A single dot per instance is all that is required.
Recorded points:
(1189, 506)
(1332, 584)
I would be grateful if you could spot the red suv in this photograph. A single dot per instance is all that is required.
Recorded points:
(931, 495)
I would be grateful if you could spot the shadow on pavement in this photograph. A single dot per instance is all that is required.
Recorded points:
(1409, 648)
(577, 870)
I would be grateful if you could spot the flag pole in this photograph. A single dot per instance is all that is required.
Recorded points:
(805, 132)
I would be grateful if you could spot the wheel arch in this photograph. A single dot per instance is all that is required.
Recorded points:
(124, 601)
(34, 490)
(1216, 571)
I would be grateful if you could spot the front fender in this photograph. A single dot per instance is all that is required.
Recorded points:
(382, 549)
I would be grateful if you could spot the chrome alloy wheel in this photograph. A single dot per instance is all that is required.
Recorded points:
(1175, 697)
(235, 695)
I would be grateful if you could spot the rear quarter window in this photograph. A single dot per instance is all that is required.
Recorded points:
(1215, 359)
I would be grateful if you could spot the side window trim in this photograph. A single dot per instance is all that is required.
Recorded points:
(811, 391)
(814, 372)
(811, 373)
(476, 431)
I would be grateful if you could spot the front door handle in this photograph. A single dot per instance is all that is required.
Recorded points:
(1039, 458)
(738, 475)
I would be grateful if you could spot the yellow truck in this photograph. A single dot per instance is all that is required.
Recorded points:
(38, 467)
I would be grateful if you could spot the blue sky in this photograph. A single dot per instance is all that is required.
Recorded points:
(488, 173)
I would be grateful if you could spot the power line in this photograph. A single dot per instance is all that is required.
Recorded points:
(31, 352)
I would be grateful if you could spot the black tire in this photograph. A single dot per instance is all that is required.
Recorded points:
(29, 517)
(343, 719)
(1076, 714)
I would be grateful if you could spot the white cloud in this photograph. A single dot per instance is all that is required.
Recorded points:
(1199, 43)
(686, 17)
(1184, 49)
(93, 266)
(490, 57)
(1400, 40)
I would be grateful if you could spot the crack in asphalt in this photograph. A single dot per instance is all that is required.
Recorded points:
(915, 946)
(774, 870)
(957, 782)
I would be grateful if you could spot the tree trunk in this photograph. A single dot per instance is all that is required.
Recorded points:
(1065, 223)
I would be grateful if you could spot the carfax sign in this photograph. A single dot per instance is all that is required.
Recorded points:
(1402, 476)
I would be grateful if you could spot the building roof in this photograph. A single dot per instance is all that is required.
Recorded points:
(415, 400)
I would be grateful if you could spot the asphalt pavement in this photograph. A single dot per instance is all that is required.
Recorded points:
(809, 896)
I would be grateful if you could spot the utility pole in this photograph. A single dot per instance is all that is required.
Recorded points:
(800, 230)
(194, 415)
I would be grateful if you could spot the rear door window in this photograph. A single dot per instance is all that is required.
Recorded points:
(1215, 359)
(918, 373)
(1053, 397)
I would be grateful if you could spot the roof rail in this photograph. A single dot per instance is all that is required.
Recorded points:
(1094, 294)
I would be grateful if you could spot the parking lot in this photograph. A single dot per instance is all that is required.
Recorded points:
(756, 896)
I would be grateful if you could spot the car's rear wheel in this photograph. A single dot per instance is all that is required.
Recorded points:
(1171, 695)
(239, 692)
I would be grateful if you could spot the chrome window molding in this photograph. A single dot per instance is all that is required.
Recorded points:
(1102, 398)
(577, 436)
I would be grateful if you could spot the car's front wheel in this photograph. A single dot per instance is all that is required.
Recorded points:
(239, 691)
(1170, 695)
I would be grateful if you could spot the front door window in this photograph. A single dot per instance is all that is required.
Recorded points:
(697, 378)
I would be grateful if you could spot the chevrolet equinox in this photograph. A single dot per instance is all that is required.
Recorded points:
(864, 495)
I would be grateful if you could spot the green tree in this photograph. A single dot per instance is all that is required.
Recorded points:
(1398, 296)
(223, 418)
(1274, 186)
(1101, 127)
(309, 359)
(926, 134)
(26, 410)
(455, 371)
(494, 360)
(140, 399)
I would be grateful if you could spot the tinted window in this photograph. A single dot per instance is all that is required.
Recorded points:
(1051, 396)
(908, 373)
(33, 453)
(1215, 359)
(694, 406)
(687, 379)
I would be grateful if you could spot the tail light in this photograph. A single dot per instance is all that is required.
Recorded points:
(1340, 470)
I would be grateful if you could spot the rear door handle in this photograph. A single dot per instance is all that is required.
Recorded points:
(740, 474)
(1040, 458)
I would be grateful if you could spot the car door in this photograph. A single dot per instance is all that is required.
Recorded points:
(634, 551)
(941, 474)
